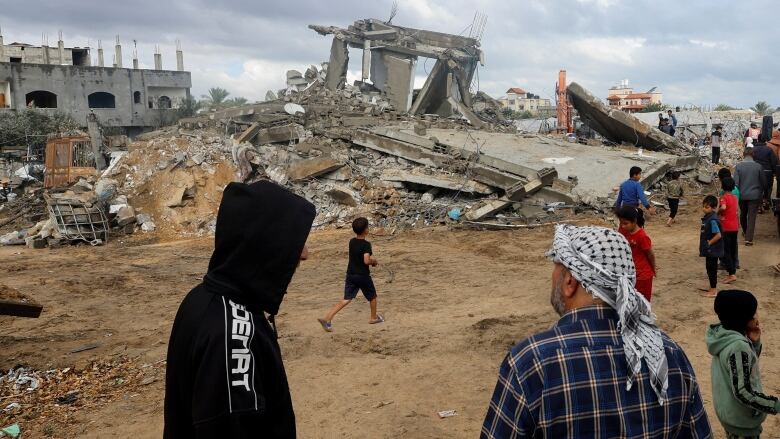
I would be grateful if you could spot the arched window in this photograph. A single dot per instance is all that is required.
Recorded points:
(101, 99)
(137, 97)
(41, 99)
(164, 102)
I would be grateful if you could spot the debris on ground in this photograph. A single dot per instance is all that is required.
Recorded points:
(30, 396)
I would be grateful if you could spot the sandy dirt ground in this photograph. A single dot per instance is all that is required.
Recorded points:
(455, 301)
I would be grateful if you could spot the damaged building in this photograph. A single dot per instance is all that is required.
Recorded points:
(65, 79)
(390, 54)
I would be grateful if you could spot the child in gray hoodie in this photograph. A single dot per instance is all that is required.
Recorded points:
(735, 345)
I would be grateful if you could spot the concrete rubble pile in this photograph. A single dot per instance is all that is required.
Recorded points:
(378, 148)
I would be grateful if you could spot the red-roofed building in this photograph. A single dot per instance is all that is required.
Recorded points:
(622, 97)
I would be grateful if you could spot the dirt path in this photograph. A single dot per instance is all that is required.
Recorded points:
(455, 302)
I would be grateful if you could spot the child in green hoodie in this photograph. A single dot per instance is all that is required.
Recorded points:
(735, 345)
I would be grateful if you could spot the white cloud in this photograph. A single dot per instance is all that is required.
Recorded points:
(610, 50)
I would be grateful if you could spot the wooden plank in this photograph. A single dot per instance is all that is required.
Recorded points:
(20, 309)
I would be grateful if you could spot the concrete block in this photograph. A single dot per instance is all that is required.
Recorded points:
(516, 192)
(704, 176)
(488, 209)
(125, 216)
(343, 196)
(36, 243)
(310, 168)
(343, 173)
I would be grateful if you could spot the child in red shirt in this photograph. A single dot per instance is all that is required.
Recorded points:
(631, 222)
(728, 211)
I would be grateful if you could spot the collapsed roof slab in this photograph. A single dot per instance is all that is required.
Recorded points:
(598, 170)
(619, 126)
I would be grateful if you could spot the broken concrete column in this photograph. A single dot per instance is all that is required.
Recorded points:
(338, 64)
(118, 49)
(488, 209)
(366, 59)
(394, 75)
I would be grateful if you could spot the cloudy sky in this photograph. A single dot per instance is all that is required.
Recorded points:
(695, 52)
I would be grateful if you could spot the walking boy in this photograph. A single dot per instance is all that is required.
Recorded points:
(735, 345)
(729, 218)
(358, 275)
(631, 192)
(715, 143)
(711, 242)
(674, 192)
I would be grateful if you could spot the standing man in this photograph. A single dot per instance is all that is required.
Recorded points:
(631, 192)
(751, 181)
(604, 370)
(225, 376)
(715, 143)
(774, 145)
(766, 157)
(673, 120)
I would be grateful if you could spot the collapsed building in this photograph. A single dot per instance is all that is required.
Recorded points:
(61, 78)
(390, 55)
(381, 149)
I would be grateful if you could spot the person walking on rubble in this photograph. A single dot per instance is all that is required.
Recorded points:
(605, 369)
(673, 122)
(715, 144)
(361, 258)
(225, 377)
(631, 192)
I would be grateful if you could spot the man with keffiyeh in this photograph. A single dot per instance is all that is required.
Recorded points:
(604, 370)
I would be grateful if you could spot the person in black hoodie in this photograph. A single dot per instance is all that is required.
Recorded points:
(225, 376)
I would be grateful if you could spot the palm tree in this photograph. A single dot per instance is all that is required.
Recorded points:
(215, 98)
(723, 107)
(236, 102)
(189, 107)
(762, 108)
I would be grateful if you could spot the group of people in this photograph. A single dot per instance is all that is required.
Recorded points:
(667, 122)
(605, 369)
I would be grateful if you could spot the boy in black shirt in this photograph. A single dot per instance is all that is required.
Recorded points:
(358, 275)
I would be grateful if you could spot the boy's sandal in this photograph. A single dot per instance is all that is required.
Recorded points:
(379, 319)
(748, 243)
(709, 295)
(327, 326)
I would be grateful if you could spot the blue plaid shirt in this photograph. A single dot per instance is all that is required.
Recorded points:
(570, 382)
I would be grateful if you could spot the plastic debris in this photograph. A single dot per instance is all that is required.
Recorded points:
(447, 413)
(12, 431)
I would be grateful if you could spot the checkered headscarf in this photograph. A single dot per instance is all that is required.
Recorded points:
(600, 259)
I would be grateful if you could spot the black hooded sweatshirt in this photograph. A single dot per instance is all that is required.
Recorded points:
(225, 376)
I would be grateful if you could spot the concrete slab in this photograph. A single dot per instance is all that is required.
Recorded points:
(450, 182)
(310, 168)
(619, 126)
(598, 170)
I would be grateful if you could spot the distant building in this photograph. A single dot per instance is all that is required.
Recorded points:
(622, 97)
(519, 100)
(64, 78)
